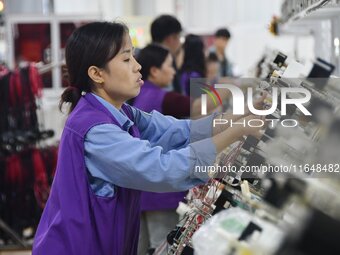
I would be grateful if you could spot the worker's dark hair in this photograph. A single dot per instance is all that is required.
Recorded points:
(163, 26)
(212, 57)
(93, 44)
(151, 56)
(223, 32)
(194, 59)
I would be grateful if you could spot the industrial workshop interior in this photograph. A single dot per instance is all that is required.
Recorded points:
(169, 127)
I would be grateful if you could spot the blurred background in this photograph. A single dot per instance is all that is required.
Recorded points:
(33, 34)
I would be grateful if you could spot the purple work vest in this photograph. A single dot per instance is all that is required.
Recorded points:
(76, 221)
(151, 98)
(185, 81)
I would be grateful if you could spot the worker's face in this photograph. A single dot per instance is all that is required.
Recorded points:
(173, 43)
(164, 75)
(122, 79)
(221, 43)
(213, 69)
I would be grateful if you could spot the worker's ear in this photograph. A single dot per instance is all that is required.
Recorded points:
(96, 74)
(154, 72)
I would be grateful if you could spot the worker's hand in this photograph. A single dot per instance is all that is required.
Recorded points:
(258, 103)
(251, 125)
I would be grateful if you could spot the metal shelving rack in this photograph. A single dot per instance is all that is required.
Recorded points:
(319, 18)
(54, 21)
(55, 66)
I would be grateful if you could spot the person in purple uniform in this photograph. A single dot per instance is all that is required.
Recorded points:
(158, 73)
(159, 215)
(166, 31)
(194, 62)
(109, 151)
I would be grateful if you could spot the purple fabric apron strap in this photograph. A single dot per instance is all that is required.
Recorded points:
(185, 81)
(152, 201)
(76, 221)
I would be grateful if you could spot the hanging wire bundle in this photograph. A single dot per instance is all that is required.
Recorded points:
(201, 200)
(26, 163)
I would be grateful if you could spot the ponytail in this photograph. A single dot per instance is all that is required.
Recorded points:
(70, 95)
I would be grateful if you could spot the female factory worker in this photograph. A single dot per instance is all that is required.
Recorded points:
(194, 63)
(158, 73)
(109, 151)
